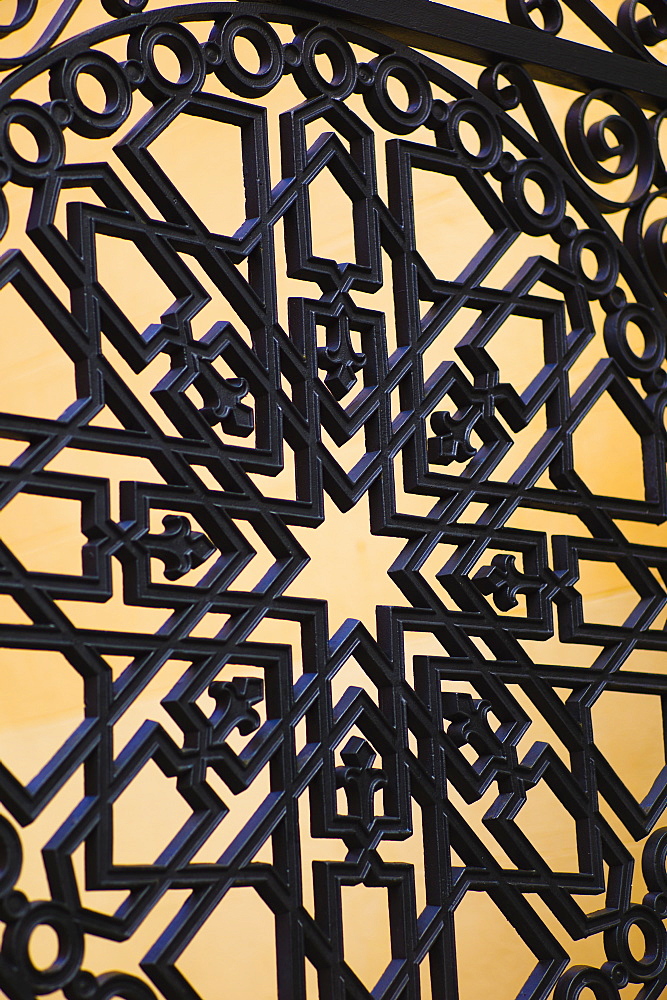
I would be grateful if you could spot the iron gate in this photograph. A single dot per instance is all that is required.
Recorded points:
(277, 384)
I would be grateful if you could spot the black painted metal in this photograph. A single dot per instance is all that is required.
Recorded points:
(413, 735)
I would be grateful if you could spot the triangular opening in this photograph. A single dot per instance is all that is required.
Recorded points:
(37, 375)
(331, 217)
(450, 228)
(628, 730)
(192, 152)
(233, 955)
(42, 704)
(147, 816)
(366, 933)
(605, 431)
(477, 920)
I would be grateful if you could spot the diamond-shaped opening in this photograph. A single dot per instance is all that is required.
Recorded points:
(42, 704)
(38, 376)
(207, 477)
(603, 433)
(44, 532)
(147, 816)
(608, 596)
(343, 550)
(517, 349)
(433, 566)
(366, 933)
(253, 573)
(186, 151)
(550, 828)
(628, 730)
(332, 224)
(443, 348)
(129, 279)
(446, 220)
(233, 955)
(210, 625)
(477, 919)
(147, 703)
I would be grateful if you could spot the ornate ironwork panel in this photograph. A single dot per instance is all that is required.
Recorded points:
(277, 388)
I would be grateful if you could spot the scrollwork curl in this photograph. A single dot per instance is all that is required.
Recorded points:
(590, 147)
(519, 11)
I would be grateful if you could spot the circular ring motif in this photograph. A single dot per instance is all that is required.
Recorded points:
(571, 257)
(46, 135)
(532, 221)
(329, 43)
(579, 978)
(192, 67)
(486, 127)
(654, 959)
(269, 51)
(380, 104)
(618, 346)
(117, 93)
(16, 944)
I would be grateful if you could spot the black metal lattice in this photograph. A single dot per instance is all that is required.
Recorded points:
(254, 389)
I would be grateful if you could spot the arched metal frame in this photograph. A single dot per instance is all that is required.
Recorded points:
(400, 743)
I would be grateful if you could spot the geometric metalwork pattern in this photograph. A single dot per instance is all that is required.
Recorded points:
(446, 456)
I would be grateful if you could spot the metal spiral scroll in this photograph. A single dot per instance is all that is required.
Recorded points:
(409, 737)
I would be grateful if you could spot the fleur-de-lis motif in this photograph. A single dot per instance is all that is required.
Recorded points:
(470, 724)
(179, 547)
(360, 779)
(452, 440)
(339, 360)
(503, 581)
(234, 700)
(222, 402)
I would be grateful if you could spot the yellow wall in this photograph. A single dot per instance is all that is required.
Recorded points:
(41, 701)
